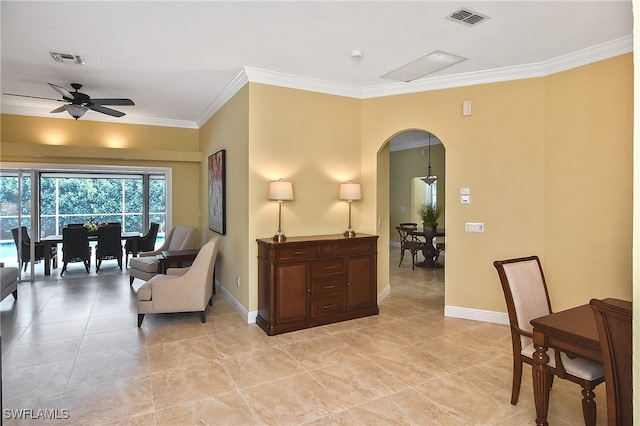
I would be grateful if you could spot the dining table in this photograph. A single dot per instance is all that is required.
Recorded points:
(51, 240)
(430, 251)
(572, 331)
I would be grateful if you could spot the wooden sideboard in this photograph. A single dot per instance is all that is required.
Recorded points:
(309, 281)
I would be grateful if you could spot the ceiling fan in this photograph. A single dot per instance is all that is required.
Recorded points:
(81, 102)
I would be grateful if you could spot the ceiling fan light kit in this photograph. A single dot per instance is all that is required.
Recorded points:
(81, 102)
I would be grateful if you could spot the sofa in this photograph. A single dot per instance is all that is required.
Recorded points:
(9, 281)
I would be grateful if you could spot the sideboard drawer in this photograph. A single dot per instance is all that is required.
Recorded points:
(296, 253)
(326, 306)
(356, 247)
(327, 287)
(327, 267)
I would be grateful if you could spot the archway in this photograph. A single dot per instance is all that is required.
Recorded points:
(407, 153)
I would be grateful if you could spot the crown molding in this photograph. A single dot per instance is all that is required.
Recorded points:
(255, 75)
(229, 91)
(46, 113)
(573, 60)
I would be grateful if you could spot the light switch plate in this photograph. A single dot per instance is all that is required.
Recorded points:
(474, 227)
(465, 199)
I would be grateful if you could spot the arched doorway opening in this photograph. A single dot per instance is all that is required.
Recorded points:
(413, 154)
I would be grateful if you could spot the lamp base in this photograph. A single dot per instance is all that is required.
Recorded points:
(349, 233)
(278, 238)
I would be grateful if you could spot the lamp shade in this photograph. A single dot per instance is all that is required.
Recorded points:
(280, 190)
(350, 191)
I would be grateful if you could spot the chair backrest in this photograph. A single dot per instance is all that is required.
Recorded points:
(614, 324)
(109, 240)
(25, 236)
(409, 225)
(182, 238)
(148, 242)
(203, 266)
(525, 293)
(75, 243)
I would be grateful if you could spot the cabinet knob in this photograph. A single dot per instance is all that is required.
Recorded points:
(348, 284)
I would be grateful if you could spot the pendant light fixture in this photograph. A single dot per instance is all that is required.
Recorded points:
(429, 179)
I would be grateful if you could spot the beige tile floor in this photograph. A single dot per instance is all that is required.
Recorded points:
(72, 345)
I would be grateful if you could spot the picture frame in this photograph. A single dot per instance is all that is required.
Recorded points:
(217, 192)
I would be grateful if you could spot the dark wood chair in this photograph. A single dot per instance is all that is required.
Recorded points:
(75, 247)
(109, 245)
(527, 298)
(23, 248)
(409, 242)
(615, 332)
(145, 243)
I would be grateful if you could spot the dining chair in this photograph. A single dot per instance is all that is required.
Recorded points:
(145, 243)
(526, 295)
(409, 242)
(109, 245)
(615, 332)
(75, 247)
(23, 248)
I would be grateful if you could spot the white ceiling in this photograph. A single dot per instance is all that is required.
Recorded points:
(178, 59)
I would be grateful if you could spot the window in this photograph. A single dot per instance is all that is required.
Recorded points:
(134, 198)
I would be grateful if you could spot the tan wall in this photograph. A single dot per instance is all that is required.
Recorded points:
(313, 140)
(60, 141)
(228, 129)
(588, 182)
(502, 154)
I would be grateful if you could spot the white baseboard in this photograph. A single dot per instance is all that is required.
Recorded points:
(250, 316)
(476, 315)
(384, 293)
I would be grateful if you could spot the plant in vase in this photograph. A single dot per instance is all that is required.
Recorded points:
(429, 214)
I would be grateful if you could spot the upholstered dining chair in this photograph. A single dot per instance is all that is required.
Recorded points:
(109, 245)
(145, 266)
(23, 241)
(527, 298)
(145, 243)
(615, 333)
(75, 247)
(181, 289)
(408, 242)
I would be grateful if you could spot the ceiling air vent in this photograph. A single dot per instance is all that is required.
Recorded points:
(467, 17)
(67, 58)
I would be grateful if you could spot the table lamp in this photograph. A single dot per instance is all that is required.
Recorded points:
(280, 191)
(350, 192)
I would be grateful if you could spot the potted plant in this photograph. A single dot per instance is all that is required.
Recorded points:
(429, 214)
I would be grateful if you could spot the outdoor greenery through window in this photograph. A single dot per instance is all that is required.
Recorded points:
(134, 200)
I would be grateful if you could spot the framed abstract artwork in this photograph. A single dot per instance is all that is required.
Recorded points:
(217, 193)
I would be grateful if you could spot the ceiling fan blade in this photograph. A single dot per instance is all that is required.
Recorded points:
(33, 97)
(63, 108)
(112, 101)
(105, 110)
(64, 92)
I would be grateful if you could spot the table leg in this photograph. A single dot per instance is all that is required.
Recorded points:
(541, 378)
(47, 257)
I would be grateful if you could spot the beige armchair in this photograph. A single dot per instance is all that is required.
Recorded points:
(182, 289)
(145, 266)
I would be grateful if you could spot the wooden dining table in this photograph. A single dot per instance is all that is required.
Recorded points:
(51, 240)
(572, 331)
(430, 252)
